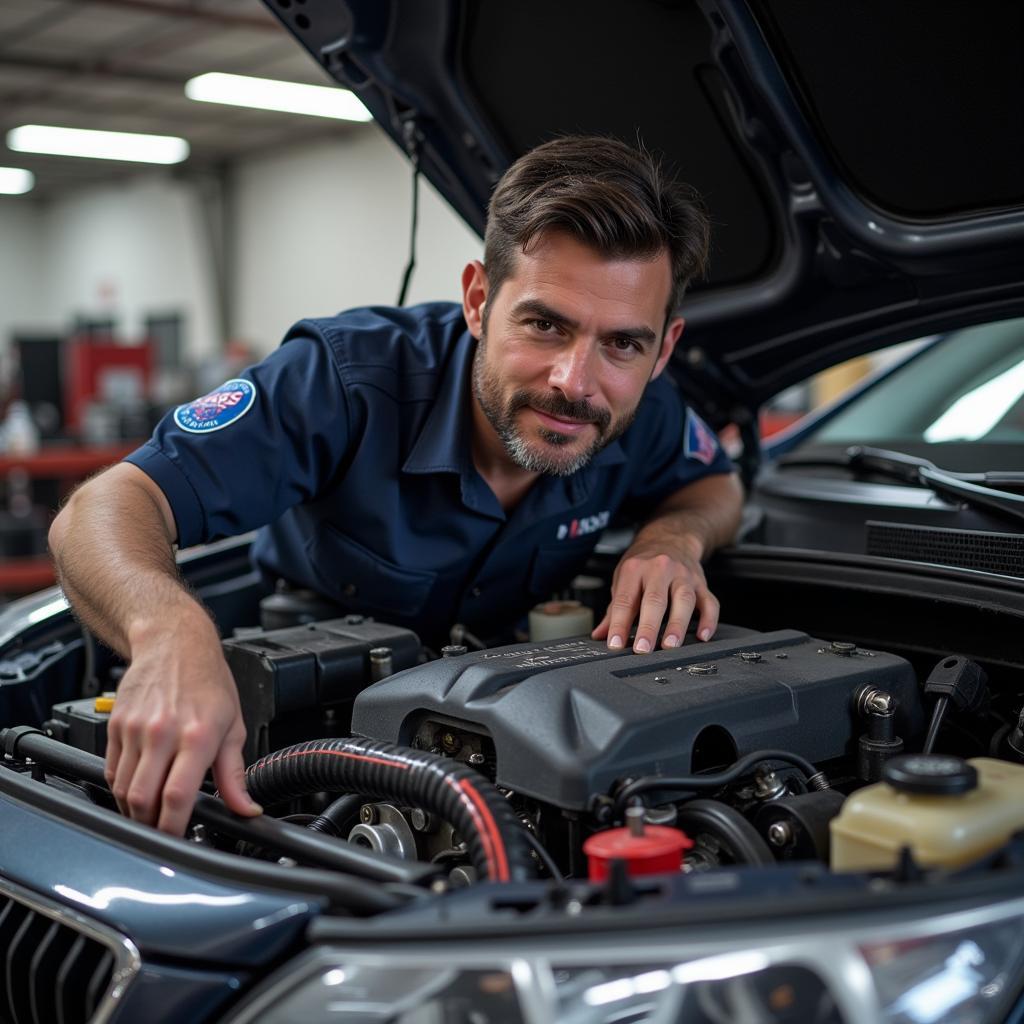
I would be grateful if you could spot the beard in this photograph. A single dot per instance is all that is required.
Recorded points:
(548, 451)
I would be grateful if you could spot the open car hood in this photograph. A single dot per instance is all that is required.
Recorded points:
(861, 162)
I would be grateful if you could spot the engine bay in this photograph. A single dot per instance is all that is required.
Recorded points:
(561, 759)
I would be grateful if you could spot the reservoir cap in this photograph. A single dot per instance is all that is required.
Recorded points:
(930, 774)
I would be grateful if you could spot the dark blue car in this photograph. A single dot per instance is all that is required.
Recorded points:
(838, 775)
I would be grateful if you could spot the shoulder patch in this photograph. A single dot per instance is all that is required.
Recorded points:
(220, 408)
(701, 443)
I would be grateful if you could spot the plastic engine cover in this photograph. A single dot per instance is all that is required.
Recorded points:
(569, 718)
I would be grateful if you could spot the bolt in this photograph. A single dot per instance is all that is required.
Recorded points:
(782, 656)
(439, 886)
(880, 703)
(454, 650)
(751, 657)
(198, 834)
(702, 670)
(635, 821)
(842, 648)
(661, 679)
(769, 785)
(573, 907)
(368, 814)
(874, 701)
(420, 820)
(779, 833)
(476, 758)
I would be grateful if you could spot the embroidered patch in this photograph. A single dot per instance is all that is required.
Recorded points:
(220, 408)
(701, 443)
(581, 527)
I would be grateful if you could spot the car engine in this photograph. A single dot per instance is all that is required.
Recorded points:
(560, 758)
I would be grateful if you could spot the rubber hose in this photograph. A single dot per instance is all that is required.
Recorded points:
(383, 771)
(728, 826)
(337, 815)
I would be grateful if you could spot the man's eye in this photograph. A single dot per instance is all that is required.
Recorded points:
(544, 326)
(624, 346)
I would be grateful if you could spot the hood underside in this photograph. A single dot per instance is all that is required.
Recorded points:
(861, 162)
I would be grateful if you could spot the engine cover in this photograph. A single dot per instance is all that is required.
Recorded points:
(569, 718)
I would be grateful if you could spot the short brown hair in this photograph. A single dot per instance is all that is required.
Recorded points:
(607, 195)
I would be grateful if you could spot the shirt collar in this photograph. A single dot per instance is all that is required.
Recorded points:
(443, 443)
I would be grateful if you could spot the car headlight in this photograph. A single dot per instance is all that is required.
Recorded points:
(965, 967)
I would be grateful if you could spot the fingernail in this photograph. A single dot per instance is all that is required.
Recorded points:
(642, 646)
(705, 634)
(670, 641)
(615, 642)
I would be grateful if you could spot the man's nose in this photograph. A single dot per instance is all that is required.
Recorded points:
(572, 372)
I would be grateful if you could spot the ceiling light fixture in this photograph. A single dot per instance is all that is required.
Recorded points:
(14, 181)
(131, 146)
(268, 94)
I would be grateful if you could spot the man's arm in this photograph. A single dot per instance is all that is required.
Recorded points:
(177, 712)
(661, 574)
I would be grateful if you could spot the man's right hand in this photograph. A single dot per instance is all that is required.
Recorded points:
(176, 715)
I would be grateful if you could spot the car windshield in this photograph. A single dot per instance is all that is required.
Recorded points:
(959, 403)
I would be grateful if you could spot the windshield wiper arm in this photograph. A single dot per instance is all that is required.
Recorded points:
(979, 489)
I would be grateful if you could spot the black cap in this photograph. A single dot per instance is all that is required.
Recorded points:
(931, 774)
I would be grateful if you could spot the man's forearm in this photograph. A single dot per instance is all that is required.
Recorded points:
(116, 563)
(700, 518)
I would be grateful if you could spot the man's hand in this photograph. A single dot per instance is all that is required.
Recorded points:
(661, 575)
(176, 715)
(652, 583)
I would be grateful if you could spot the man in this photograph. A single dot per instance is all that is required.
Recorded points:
(427, 466)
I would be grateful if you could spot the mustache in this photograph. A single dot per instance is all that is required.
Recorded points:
(557, 405)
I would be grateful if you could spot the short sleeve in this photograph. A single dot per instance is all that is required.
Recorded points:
(678, 448)
(238, 457)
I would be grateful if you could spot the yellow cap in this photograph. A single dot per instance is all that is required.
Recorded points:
(105, 704)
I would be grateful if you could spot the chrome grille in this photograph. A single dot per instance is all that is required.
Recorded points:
(56, 966)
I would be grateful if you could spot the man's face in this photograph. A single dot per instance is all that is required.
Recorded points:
(566, 348)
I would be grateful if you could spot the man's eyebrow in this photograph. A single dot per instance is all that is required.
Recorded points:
(534, 307)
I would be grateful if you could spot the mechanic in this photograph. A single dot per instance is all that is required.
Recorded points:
(430, 465)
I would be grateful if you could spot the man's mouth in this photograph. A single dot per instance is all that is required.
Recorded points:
(559, 423)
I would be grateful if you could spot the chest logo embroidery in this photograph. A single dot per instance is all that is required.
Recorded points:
(700, 441)
(581, 527)
(220, 408)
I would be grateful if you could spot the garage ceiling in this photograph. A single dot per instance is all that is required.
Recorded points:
(121, 65)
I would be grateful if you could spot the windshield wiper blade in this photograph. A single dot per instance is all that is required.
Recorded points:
(977, 489)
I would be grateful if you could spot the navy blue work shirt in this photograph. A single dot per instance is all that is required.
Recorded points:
(350, 445)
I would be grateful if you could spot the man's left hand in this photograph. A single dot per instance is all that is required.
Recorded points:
(652, 583)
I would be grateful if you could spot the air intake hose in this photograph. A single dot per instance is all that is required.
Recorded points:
(383, 771)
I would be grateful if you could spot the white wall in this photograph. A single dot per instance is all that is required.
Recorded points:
(311, 231)
(129, 251)
(21, 293)
(327, 227)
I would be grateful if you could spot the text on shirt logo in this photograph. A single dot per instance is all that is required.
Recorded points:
(581, 527)
(221, 407)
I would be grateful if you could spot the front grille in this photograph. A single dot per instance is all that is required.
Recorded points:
(1001, 553)
(55, 966)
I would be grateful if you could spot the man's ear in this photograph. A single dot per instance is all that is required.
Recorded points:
(673, 330)
(474, 296)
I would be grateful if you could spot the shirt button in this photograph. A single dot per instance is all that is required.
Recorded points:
(475, 592)
(349, 590)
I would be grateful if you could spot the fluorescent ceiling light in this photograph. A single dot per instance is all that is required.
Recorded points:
(15, 182)
(146, 149)
(268, 94)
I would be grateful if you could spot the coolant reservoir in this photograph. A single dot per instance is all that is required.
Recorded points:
(947, 810)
